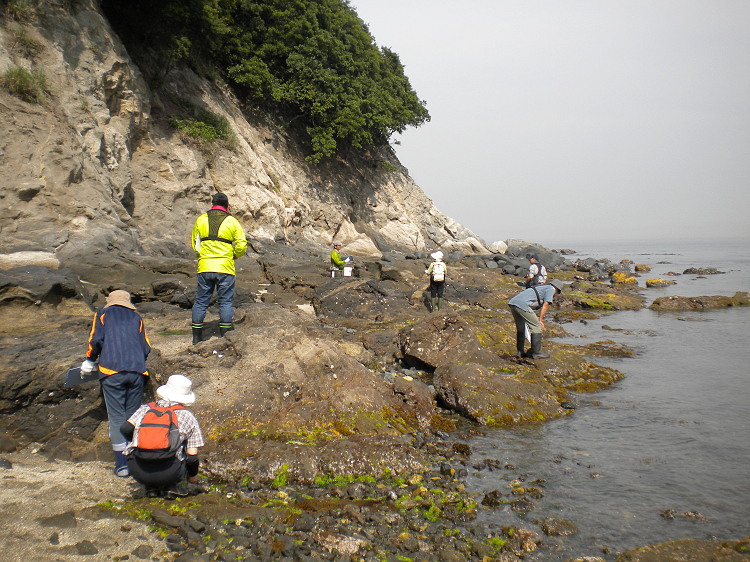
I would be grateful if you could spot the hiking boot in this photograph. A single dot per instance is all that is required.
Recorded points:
(536, 348)
(175, 491)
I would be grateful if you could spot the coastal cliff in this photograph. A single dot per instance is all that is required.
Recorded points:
(97, 170)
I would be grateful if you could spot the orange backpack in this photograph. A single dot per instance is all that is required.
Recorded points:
(157, 437)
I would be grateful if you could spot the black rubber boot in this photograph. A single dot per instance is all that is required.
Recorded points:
(197, 335)
(224, 329)
(536, 348)
(520, 342)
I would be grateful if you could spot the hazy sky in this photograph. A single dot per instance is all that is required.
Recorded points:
(557, 121)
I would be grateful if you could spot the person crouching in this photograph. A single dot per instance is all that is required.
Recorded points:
(164, 440)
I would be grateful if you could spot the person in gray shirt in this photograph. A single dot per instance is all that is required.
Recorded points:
(522, 306)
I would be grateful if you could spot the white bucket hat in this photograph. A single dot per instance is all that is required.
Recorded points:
(437, 255)
(179, 388)
(120, 298)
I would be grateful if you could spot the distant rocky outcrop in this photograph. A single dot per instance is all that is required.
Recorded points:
(700, 303)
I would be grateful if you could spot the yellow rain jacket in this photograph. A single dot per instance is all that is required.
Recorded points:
(217, 252)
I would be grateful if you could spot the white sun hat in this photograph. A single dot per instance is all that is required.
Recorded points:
(179, 388)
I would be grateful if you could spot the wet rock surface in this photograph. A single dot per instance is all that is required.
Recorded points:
(699, 303)
(331, 409)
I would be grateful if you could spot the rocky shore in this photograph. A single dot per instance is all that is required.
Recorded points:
(336, 411)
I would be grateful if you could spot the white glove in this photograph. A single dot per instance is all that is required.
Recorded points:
(348, 260)
(88, 366)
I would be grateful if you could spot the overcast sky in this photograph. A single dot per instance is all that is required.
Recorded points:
(565, 120)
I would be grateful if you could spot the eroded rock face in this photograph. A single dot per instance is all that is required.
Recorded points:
(96, 173)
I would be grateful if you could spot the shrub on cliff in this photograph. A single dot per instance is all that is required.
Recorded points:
(24, 84)
(312, 60)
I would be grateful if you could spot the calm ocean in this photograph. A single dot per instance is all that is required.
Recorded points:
(674, 434)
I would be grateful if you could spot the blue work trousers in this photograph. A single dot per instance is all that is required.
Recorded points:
(224, 283)
(123, 395)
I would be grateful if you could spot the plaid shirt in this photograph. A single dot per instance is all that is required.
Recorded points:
(190, 431)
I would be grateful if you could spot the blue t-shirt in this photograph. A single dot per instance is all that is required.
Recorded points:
(526, 300)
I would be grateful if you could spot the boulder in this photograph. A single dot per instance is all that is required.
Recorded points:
(659, 282)
(702, 271)
(700, 303)
(277, 373)
(498, 247)
(23, 259)
(442, 339)
(620, 277)
(492, 399)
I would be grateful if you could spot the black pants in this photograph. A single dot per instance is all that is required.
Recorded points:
(436, 288)
(157, 474)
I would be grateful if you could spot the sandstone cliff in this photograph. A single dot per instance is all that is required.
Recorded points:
(96, 172)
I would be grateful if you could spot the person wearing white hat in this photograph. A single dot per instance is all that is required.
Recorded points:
(119, 342)
(162, 472)
(436, 271)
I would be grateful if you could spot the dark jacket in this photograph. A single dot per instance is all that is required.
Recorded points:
(118, 339)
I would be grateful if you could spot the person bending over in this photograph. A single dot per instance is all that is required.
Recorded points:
(118, 341)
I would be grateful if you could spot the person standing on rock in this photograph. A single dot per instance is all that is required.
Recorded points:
(522, 307)
(218, 240)
(537, 272)
(436, 271)
(163, 475)
(119, 342)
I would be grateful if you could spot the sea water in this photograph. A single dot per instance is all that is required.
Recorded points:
(674, 434)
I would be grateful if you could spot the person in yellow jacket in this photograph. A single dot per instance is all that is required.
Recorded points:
(337, 262)
(218, 240)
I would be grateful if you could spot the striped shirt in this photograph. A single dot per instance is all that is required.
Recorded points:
(190, 431)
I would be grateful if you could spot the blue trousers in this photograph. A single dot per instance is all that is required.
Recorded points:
(123, 395)
(224, 284)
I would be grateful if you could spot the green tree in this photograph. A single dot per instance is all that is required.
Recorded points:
(312, 60)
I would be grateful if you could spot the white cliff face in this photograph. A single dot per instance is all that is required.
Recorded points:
(97, 168)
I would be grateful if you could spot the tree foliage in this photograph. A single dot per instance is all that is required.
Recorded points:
(313, 60)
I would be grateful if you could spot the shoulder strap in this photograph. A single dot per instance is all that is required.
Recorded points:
(537, 297)
(215, 218)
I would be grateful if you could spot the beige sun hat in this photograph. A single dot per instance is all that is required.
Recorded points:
(120, 298)
(179, 388)
(437, 255)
